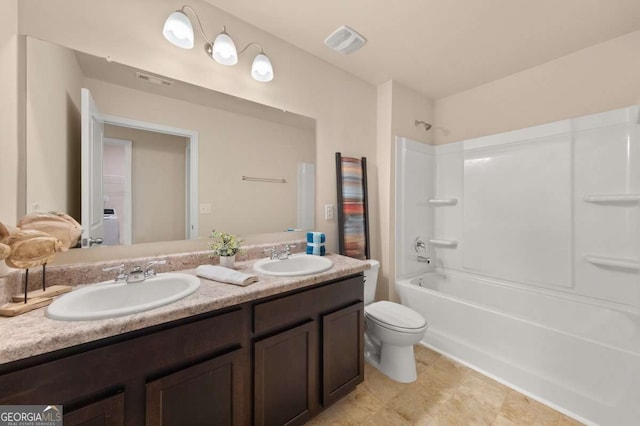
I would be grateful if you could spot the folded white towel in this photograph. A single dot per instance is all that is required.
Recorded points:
(225, 275)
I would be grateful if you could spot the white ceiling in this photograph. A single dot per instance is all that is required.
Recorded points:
(441, 47)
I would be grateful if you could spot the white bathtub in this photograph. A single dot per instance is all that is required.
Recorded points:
(578, 357)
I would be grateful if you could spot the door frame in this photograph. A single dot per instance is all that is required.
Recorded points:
(191, 156)
(91, 176)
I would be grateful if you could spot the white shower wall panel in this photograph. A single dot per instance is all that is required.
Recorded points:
(413, 191)
(517, 211)
(606, 162)
(448, 179)
(524, 209)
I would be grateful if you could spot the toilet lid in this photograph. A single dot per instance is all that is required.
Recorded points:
(395, 315)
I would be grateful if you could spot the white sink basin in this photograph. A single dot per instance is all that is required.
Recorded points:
(299, 264)
(110, 299)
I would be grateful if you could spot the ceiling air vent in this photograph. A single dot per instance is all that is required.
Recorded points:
(345, 40)
(153, 79)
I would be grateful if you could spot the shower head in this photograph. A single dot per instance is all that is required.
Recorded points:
(424, 124)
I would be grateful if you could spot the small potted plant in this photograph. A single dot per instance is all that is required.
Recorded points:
(226, 246)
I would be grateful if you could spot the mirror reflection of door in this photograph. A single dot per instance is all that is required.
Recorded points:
(92, 131)
(157, 175)
(134, 188)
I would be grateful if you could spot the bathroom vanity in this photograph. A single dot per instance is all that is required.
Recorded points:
(273, 360)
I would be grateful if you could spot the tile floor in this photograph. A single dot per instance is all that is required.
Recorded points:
(446, 393)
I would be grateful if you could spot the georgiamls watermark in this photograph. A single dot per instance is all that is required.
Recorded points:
(30, 415)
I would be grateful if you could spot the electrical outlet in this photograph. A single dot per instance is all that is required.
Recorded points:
(328, 211)
(205, 208)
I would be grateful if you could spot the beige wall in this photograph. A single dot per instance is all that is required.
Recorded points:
(398, 108)
(595, 79)
(157, 183)
(130, 32)
(54, 80)
(9, 112)
(230, 145)
(383, 146)
(600, 78)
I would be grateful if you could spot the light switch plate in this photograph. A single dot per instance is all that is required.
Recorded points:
(205, 208)
(328, 211)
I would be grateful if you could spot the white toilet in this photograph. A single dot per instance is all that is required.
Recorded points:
(391, 330)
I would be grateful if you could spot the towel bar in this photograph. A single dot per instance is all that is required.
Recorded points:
(259, 179)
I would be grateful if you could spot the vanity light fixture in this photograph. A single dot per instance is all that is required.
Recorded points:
(178, 30)
(223, 50)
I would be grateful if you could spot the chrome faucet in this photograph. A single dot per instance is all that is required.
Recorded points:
(149, 272)
(419, 245)
(275, 254)
(122, 275)
(286, 252)
(137, 274)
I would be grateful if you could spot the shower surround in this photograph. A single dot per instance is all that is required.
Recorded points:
(534, 237)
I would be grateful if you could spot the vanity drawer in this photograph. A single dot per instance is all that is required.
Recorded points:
(295, 308)
(64, 380)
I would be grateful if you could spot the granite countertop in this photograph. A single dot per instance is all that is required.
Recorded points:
(33, 334)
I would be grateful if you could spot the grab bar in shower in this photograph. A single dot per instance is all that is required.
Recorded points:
(612, 198)
(443, 201)
(613, 261)
(444, 243)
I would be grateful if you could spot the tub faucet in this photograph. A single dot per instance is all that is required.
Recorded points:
(419, 246)
(424, 259)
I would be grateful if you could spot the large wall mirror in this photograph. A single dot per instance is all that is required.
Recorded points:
(175, 161)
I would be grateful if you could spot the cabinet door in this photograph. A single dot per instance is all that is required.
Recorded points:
(106, 412)
(209, 393)
(285, 377)
(342, 352)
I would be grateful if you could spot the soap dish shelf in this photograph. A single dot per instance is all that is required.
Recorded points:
(444, 243)
(615, 262)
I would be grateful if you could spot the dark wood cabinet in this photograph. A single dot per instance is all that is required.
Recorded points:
(105, 412)
(274, 361)
(301, 369)
(209, 393)
(80, 376)
(285, 377)
(342, 352)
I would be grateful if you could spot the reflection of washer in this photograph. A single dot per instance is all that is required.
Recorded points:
(111, 228)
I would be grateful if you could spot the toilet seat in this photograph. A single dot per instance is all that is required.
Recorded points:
(395, 316)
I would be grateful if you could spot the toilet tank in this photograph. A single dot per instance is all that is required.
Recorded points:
(370, 281)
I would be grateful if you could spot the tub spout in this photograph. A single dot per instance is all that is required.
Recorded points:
(424, 259)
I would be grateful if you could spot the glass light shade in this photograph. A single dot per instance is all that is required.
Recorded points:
(224, 50)
(261, 69)
(178, 30)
